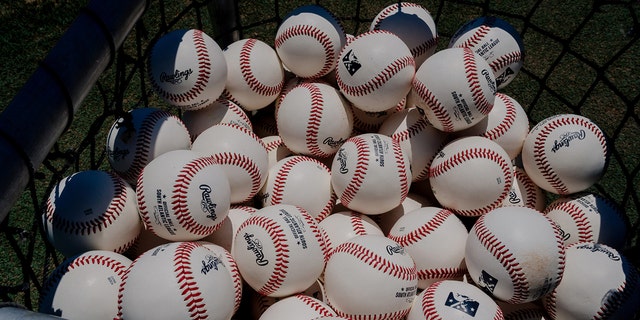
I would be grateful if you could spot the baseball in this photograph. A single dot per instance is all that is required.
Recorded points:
(227, 260)
(418, 139)
(254, 73)
(515, 253)
(507, 124)
(309, 40)
(345, 225)
(455, 88)
(220, 111)
(565, 153)
(370, 277)
(413, 24)
(598, 283)
(258, 303)
(471, 176)
(242, 155)
(314, 119)
(288, 182)
(412, 202)
(85, 286)
(280, 250)
(495, 40)
(183, 196)
(224, 235)
(91, 210)
(525, 193)
(451, 299)
(588, 217)
(435, 238)
(370, 122)
(297, 307)
(375, 71)
(276, 150)
(139, 136)
(370, 174)
(177, 280)
(187, 69)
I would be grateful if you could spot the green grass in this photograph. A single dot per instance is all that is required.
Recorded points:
(563, 42)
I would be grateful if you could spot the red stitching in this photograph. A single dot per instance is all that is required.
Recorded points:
(441, 273)
(475, 38)
(97, 224)
(402, 169)
(188, 285)
(379, 316)
(315, 305)
(179, 204)
(501, 252)
(379, 79)
(317, 34)
(356, 223)
(318, 233)
(423, 231)
(531, 190)
(539, 145)
(280, 178)
(505, 60)
(434, 105)
(235, 275)
(204, 71)
(392, 9)
(411, 131)
(477, 153)
(471, 72)
(314, 120)
(273, 145)
(624, 291)
(506, 123)
(425, 47)
(244, 162)
(428, 308)
(362, 151)
(247, 72)
(377, 262)
(585, 230)
(281, 264)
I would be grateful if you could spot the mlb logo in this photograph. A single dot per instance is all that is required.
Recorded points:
(487, 282)
(462, 303)
(350, 62)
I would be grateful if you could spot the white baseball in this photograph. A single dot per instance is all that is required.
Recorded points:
(183, 196)
(81, 281)
(375, 71)
(180, 280)
(314, 119)
(370, 277)
(224, 235)
(370, 174)
(598, 283)
(451, 299)
(254, 73)
(91, 210)
(507, 124)
(565, 153)
(288, 182)
(515, 253)
(525, 193)
(187, 69)
(345, 225)
(227, 260)
(411, 22)
(471, 176)
(220, 111)
(297, 307)
(280, 250)
(435, 238)
(241, 153)
(309, 40)
(141, 135)
(276, 149)
(418, 139)
(588, 217)
(455, 88)
(495, 40)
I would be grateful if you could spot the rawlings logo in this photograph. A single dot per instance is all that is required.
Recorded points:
(391, 250)
(207, 204)
(490, 82)
(210, 263)
(596, 247)
(342, 158)
(333, 143)
(566, 138)
(563, 234)
(351, 62)
(176, 77)
(255, 246)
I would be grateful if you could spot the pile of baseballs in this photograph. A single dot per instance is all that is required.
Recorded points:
(335, 176)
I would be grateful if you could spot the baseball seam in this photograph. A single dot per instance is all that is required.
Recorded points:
(357, 226)
(281, 248)
(402, 169)
(422, 231)
(377, 262)
(531, 190)
(440, 273)
(188, 286)
(471, 72)
(585, 230)
(249, 77)
(475, 38)
(505, 60)
(391, 9)
(236, 277)
(507, 122)
(351, 190)
(411, 131)
(434, 105)
(318, 233)
(244, 162)
(315, 305)
(318, 35)
(315, 119)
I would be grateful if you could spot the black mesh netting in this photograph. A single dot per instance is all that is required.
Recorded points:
(581, 57)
